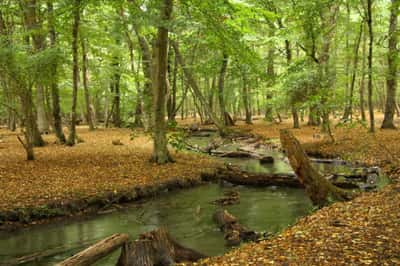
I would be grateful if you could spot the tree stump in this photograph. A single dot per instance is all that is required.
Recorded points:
(156, 248)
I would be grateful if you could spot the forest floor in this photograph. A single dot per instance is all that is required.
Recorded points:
(91, 173)
(360, 232)
(363, 231)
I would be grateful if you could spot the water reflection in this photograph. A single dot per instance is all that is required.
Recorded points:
(187, 215)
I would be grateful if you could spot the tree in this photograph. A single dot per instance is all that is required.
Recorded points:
(55, 94)
(160, 152)
(88, 113)
(391, 80)
(370, 60)
(75, 70)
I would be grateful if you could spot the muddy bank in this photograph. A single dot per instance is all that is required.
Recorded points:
(106, 202)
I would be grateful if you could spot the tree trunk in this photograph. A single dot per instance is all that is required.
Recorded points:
(97, 251)
(363, 72)
(29, 122)
(196, 90)
(370, 54)
(246, 99)
(88, 112)
(320, 190)
(43, 123)
(156, 248)
(75, 70)
(148, 87)
(54, 81)
(348, 114)
(160, 152)
(221, 86)
(171, 103)
(391, 80)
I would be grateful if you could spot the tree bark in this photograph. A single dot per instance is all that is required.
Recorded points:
(391, 80)
(160, 151)
(363, 72)
(348, 114)
(225, 117)
(320, 190)
(370, 54)
(246, 99)
(148, 87)
(156, 248)
(75, 71)
(97, 251)
(55, 95)
(85, 64)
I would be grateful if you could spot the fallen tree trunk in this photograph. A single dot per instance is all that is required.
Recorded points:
(234, 232)
(235, 175)
(320, 190)
(97, 251)
(156, 248)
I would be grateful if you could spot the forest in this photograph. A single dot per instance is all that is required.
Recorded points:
(199, 132)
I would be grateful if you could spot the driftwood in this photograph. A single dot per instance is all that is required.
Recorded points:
(156, 248)
(234, 232)
(97, 251)
(318, 188)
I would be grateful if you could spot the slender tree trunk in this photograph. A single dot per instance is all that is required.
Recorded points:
(160, 152)
(147, 88)
(43, 123)
(88, 112)
(271, 75)
(391, 80)
(348, 114)
(54, 81)
(246, 100)
(75, 70)
(196, 90)
(221, 85)
(29, 122)
(363, 72)
(370, 54)
(171, 103)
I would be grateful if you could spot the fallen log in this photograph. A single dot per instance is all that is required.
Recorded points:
(234, 175)
(234, 232)
(156, 248)
(96, 251)
(318, 188)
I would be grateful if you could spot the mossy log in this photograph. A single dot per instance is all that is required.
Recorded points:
(319, 189)
(234, 232)
(156, 248)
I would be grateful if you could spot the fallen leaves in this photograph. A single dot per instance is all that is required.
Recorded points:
(87, 170)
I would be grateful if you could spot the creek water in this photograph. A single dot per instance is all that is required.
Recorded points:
(187, 214)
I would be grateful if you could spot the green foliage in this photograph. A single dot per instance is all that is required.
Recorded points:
(177, 140)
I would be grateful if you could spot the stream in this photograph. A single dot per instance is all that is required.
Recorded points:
(187, 214)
